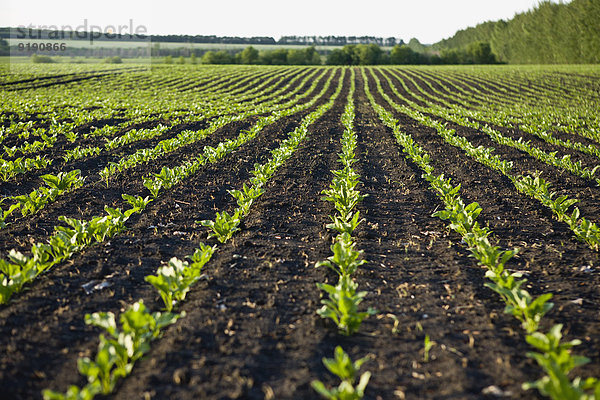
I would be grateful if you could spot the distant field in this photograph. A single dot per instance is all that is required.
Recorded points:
(213, 232)
(199, 46)
(5, 60)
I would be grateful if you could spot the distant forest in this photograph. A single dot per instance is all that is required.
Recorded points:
(549, 34)
(5, 33)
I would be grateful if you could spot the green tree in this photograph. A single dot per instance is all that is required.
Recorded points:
(549, 33)
(37, 59)
(453, 56)
(353, 54)
(274, 57)
(249, 56)
(296, 57)
(416, 46)
(312, 56)
(4, 49)
(217, 57)
(368, 54)
(338, 57)
(481, 53)
(403, 55)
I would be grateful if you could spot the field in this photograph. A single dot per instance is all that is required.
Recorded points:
(214, 232)
(174, 45)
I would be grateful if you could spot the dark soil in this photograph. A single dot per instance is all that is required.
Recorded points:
(251, 330)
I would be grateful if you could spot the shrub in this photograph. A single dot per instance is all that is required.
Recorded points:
(113, 60)
(37, 59)
(217, 57)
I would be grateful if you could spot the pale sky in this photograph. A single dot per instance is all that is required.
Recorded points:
(427, 20)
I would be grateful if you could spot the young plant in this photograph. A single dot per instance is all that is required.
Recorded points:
(174, 280)
(166, 178)
(6, 214)
(343, 367)
(137, 203)
(154, 186)
(347, 225)
(427, 345)
(64, 180)
(79, 152)
(34, 201)
(55, 186)
(556, 359)
(519, 302)
(71, 136)
(223, 227)
(118, 350)
(344, 197)
(342, 305)
(462, 218)
(246, 197)
(345, 257)
(491, 257)
(15, 273)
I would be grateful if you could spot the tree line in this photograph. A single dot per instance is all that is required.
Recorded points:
(5, 33)
(250, 55)
(412, 53)
(339, 40)
(353, 54)
(550, 33)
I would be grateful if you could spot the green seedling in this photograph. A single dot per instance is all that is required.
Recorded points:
(5, 214)
(345, 225)
(64, 180)
(427, 345)
(10, 169)
(137, 203)
(55, 186)
(344, 197)
(345, 257)
(462, 219)
(174, 280)
(79, 152)
(118, 350)
(492, 257)
(520, 303)
(342, 305)
(246, 197)
(556, 360)
(223, 227)
(343, 367)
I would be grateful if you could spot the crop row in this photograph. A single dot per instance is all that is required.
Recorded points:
(575, 116)
(534, 187)
(268, 97)
(187, 137)
(15, 274)
(116, 356)
(66, 120)
(124, 95)
(564, 162)
(501, 118)
(164, 147)
(551, 353)
(343, 299)
(212, 101)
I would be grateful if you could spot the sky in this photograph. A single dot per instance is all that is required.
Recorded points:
(427, 20)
